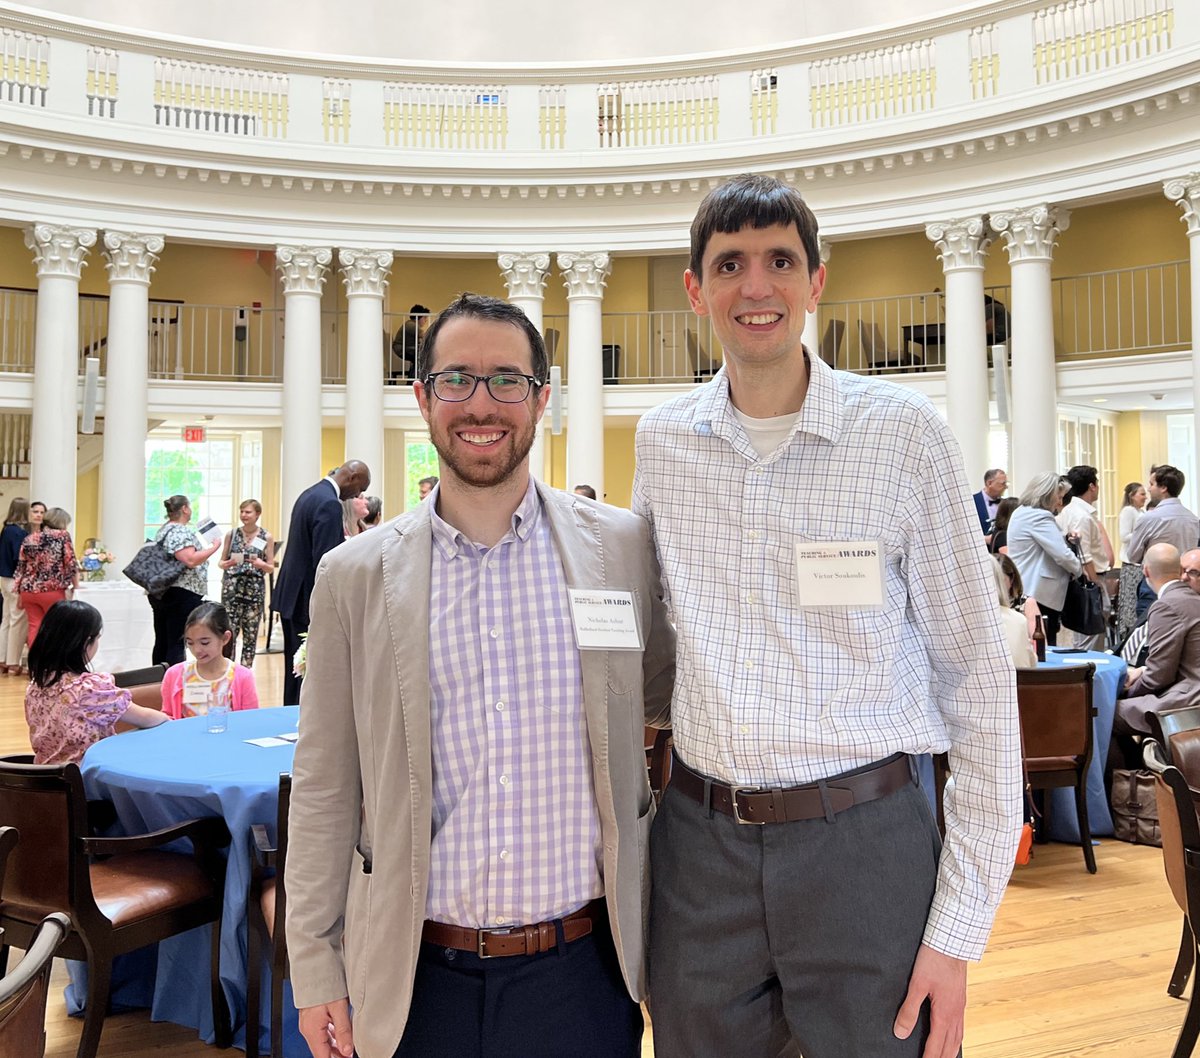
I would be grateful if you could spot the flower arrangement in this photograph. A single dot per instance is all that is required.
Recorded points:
(300, 658)
(94, 559)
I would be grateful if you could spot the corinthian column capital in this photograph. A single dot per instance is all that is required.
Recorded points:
(365, 272)
(1031, 232)
(59, 250)
(1184, 191)
(303, 268)
(584, 274)
(131, 256)
(524, 273)
(961, 243)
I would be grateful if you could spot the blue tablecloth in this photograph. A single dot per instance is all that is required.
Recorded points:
(179, 771)
(1062, 823)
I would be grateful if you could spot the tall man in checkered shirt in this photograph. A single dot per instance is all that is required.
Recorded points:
(827, 578)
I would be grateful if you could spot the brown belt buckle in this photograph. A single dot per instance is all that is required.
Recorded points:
(483, 936)
(737, 814)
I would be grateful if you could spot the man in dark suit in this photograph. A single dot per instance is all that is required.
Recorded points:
(316, 527)
(988, 498)
(1171, 677)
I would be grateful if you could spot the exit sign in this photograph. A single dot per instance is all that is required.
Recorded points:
(193, 434)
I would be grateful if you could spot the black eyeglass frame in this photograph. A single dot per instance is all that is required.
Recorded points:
(430, 383)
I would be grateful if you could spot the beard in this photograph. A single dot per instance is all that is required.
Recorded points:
(480, 470)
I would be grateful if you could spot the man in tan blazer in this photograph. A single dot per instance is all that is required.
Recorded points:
(468, 860)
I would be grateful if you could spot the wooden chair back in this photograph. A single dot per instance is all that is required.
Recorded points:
(1055, 705)
(144, 684)
(23, 993)
(1177, 733)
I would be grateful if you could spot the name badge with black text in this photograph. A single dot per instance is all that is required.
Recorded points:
(839, 574)
(604, 619)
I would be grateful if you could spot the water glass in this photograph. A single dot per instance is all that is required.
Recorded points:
(218, 718)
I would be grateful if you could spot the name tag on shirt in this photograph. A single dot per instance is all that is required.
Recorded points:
(604, 620)
(839, 574)
(257, 544)
(196, 695)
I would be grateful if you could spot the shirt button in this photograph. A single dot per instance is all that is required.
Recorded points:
(501, 921)
(503, 780)
(504, 854)
(753, 534)
(748, 665)
(499, 707)
(752, 598)
(759, 470)
(494, 633)
(744, 729)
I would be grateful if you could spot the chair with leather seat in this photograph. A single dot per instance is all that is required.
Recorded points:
(266, 908)
(118, 893)
(1180, 829)
(23, 992)
(144, 685)
(1057, 729)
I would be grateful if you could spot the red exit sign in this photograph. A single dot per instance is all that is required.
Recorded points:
(193, 434)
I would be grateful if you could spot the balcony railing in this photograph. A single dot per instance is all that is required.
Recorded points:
(1145, 309)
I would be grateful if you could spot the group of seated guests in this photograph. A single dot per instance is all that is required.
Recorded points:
(69, 708)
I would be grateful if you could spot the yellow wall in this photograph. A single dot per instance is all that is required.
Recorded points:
(892, 264)
(333, 448)
(16, 262)
(86, 516)
(618, 464)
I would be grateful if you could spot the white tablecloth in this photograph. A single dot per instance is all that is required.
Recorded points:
(128, 639)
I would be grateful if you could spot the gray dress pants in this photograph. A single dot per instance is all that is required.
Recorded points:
(789, 938)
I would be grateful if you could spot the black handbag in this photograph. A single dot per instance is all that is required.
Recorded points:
(1083, 608)
(154, 568)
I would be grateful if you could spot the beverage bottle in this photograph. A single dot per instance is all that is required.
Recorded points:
(1039, 638)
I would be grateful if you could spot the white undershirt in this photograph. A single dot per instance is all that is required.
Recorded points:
(766, 434)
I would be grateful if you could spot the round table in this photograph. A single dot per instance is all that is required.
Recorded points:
(176, 771)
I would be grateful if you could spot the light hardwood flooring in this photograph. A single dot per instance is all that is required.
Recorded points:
(1077, 966)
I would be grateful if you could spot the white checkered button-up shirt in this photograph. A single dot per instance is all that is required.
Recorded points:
(769, 694)
(516, 831)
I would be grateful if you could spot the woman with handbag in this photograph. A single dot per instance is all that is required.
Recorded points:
(1039, 550)
(173, 605)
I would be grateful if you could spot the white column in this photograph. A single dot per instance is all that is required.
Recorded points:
(525, 279)
(1184, 191)
(365, 273)
(584, 275)
(962, 245)
(303, 270)
(131, 258)
(811, 335)
(1030, 235)
(59, 254)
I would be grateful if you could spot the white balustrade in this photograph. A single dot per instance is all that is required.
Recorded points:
(24, 67)
(205, 97)
(449, 117)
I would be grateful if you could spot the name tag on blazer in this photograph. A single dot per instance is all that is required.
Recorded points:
(604, 619)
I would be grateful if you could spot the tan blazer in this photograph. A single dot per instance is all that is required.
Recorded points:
(360, 823)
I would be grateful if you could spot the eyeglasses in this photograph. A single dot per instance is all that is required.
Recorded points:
(458, 386)
(1191, 574)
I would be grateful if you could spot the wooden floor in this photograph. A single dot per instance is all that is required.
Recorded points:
(1077, 966)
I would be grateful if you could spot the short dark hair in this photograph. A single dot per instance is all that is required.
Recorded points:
(1169, 478)
(175, 504)
(756, 201)
(419, 310)
(430, 481)
(990, 475)
(1004, 513)
(68, 629)
(482, 307)
(1082, 478)
(586, 490)
(214, 617)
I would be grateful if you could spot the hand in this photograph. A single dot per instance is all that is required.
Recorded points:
(943, 980)
(1131, 676)
(326, 1029)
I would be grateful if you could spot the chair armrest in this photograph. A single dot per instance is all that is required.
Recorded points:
(101, 815)
(264, 851)
(203, 833)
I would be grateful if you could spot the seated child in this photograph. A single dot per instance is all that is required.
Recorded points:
(211, 677)
(67, 706)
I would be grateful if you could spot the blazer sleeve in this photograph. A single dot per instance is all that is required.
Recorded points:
(1050, 539)
(1167, 631)
(172, 691)
(658, 659)
(327, 530)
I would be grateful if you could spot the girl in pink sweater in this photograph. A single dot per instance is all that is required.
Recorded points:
(211, 677)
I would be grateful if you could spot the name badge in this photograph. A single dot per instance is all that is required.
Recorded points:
(196, 693)
(604, 620)
(258, 544)
(839, 574)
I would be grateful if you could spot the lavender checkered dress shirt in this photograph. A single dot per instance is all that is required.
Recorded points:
(516, 833)
(767, 693)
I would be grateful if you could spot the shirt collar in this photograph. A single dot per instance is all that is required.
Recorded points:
(1167, 585)
(334, 485)
(820, 415)
(1087, 507)
(452, 542)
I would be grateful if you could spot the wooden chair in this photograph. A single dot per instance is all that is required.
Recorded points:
(831, 341)
(703, 365)
(1181, 861)
(23, 992)
(266, 908)
(119, 893)
(1055, 706)
(875, 349)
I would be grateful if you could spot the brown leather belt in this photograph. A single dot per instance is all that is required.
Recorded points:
(514, 940)
(756, 805)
